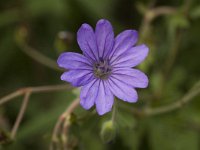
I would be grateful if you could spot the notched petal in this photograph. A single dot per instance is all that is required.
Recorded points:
(87, 41)
(124, 41)
(89, 94)
(132, 77)
(104, 100)
(132, 57)
(78, 77)
(104, 36)
(123, 91)
(70, 60)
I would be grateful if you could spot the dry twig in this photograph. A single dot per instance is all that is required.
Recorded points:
(27, 92)
(20, 115)
(62, 126)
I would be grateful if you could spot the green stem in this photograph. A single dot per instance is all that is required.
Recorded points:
(114, 111)
(20, 40)
(176, 105)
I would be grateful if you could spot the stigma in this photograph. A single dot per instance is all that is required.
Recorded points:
(102, 69)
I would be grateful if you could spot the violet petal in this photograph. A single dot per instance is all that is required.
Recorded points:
(122, 90)
(89, 94)
(70, 60)
(123, 42)
(78, 77)
(132, 77)
(104, 99)
(104, 36)
(132, 57)
(87, 41)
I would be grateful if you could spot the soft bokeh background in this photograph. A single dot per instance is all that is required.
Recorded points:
(50, 26)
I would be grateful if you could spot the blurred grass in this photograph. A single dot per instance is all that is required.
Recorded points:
(43, 20)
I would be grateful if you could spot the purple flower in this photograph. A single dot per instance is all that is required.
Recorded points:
(105, 68)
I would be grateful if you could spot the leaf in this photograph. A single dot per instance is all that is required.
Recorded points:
(9, 17)
(169, 134)
(195, 12)
(50, 7)
(156, 82)
(97, 8)
(125, 120)
(133, 137)
(176, 21)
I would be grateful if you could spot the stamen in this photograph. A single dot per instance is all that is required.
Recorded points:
(102, 69)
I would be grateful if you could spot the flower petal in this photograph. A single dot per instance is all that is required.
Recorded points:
(87, 41)
(132, 77)
(124, 41)
(131, 57)
(70, 60)
(89, 94)
(104, 36)
(78, 77)
(122, 90)
(104, 99)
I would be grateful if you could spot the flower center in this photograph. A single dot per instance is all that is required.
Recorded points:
(102, 69)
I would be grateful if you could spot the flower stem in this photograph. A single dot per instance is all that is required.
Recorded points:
(114, 111)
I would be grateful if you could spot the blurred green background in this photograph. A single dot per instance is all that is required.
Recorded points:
(49, 27)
